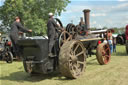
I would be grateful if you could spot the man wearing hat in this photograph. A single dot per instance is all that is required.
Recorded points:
(51, 32)
(15, 28)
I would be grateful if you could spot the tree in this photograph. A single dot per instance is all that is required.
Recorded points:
(34, 13)
(105, 28)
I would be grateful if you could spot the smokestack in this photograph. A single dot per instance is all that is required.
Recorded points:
(86, 18)
(81, 21)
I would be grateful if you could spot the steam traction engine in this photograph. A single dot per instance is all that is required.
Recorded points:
(71, 50)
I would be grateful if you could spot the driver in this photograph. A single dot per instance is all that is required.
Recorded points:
(52, 27)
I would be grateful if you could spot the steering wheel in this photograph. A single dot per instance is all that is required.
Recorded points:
(59, 22)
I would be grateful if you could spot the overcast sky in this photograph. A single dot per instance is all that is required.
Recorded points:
(109, 13)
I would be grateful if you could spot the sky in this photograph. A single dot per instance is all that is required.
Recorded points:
(104, 13)
(1, 2)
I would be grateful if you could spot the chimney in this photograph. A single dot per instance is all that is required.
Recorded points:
(86, 18)
(81, 21)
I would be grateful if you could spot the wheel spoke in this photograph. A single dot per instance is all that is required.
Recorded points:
(79, 53)
(77, 69)
(64, 36)
(68, 38)
(73, 70)
(106, 58)
(107, 49)
(79, 62)
(71, 52)
(76, 47)
(70, 63)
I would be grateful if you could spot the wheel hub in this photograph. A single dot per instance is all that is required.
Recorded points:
(74, 58)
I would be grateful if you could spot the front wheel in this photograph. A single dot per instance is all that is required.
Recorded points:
(9, 57)
(103, 53)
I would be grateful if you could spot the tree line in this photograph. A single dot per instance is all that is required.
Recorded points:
(117, 30)
(33, 13)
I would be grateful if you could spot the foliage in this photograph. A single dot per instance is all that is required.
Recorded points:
(34, 13)
(116, 30)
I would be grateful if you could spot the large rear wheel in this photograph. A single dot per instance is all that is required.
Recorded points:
(72, 59)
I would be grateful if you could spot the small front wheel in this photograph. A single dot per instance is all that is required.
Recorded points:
(103, 53)
(9, 57)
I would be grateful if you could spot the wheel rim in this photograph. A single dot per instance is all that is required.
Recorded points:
(77, 60)
(64, 36)
(106, 54)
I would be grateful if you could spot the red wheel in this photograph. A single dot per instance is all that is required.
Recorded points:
(103, 53)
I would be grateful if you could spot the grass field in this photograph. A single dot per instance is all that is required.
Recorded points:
(114, 73)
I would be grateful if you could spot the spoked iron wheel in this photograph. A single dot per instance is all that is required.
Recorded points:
(64, 36)
(72, 59)
(103, 53)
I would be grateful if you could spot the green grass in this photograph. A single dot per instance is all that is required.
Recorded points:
(114, 73)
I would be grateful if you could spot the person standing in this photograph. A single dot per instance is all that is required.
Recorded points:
(114, 44)
(52, 27)
(110, 41)
(15, 28)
